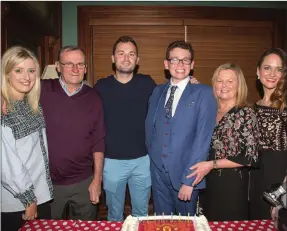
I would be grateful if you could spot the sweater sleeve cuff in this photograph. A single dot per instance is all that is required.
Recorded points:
(27, 197)
(100, 146)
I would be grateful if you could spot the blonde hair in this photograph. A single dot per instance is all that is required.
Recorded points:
(12, 57)
(241, 99)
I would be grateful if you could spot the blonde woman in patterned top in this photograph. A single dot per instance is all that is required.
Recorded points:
(26, 185)
(271, 113)
(233, 149)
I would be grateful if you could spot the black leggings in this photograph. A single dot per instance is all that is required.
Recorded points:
(13, 221)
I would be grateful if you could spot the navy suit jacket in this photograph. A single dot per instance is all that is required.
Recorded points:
(193, 125)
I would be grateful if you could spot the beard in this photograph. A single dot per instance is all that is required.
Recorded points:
(125, 70)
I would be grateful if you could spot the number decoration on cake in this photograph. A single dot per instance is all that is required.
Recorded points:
(166, 225)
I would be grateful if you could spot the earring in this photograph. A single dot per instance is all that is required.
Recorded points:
(258, 77)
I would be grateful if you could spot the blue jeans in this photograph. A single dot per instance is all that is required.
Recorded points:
(117, 174)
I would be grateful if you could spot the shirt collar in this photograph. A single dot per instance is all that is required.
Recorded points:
(182, 84)
(66, 89)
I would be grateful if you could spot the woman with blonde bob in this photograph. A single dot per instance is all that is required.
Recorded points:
(26, 184)
(233, 149)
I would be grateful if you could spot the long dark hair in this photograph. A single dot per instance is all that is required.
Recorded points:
(279, 96)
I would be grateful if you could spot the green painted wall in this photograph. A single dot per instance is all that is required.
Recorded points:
(69, 11)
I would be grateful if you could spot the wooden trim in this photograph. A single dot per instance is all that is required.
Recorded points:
(89, 16)
(4, 39)
(279, 34)
(137, 22)
(199, 12)
(52, 41)
(39, 56)
(57, 18)
(228, 23)
(5, 9)
(85, 41)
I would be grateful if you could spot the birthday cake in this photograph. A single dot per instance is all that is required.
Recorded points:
(166, 223)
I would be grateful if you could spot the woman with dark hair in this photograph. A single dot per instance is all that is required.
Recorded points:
(271, 114)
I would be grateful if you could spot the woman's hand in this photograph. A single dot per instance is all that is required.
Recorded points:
(201, 169)
(31, 212)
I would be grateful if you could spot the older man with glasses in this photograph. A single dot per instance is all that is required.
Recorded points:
(75, 129)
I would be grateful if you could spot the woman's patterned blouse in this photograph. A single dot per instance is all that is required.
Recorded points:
(236, 137)
(272, 125)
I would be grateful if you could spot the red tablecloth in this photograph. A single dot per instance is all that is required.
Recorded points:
(263, 225)
(70, 225)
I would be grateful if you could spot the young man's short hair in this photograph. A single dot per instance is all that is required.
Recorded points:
(179, 44)
(124, 39)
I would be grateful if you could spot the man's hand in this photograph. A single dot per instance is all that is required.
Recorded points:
(194, 81)
(31, 212)
(95, 191)
(185, 192)
(201, 169)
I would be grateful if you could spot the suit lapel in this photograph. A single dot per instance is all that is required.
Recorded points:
(163, 92)
(161, 96)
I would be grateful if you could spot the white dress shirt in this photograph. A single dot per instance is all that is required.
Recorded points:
(66, 89)
(178, 92)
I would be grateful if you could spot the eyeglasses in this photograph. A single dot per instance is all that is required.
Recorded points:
(71, 65)
(176, 61)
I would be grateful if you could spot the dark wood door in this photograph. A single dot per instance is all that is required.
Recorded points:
(220, 41)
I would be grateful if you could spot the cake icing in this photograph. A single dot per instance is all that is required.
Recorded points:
(199, 222)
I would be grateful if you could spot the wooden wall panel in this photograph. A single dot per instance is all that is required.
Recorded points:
(146, 15)
(215, 45)
(151, 40)
(218, 34)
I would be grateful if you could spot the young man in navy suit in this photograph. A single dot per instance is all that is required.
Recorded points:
(179, 125)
